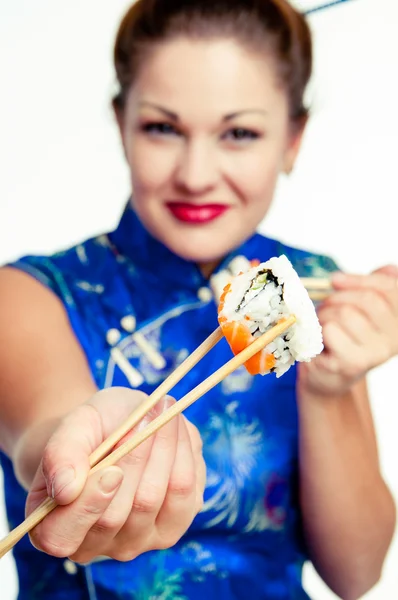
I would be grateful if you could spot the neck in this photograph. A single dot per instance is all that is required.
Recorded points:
(207, 269)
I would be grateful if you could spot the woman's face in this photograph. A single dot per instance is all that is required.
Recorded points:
(206, 133)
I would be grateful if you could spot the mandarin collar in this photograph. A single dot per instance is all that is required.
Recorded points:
(132, 242)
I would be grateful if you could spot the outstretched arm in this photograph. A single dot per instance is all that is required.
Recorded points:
(348, 511)
(52, 418)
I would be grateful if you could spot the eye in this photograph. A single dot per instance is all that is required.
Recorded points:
(159, 129)
(240, 134)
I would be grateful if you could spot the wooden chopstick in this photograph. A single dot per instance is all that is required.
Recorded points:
(140, 412)
(195, 394)
(103, 449)
(318, 296)
(318, 288)
(317, 283)
(49, 504)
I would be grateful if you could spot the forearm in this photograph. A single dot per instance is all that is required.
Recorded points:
(29, 450)
(348, 512)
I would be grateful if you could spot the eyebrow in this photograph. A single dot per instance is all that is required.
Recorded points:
(174, 117)
(170, 114)
(244, 112)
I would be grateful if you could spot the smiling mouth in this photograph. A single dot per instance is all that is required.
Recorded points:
(197, 214)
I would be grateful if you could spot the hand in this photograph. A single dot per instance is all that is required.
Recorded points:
(360, 331)
(146, 502)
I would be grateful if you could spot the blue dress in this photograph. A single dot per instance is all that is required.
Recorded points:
(247, 541)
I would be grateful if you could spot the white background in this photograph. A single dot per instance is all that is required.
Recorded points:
(62, 175)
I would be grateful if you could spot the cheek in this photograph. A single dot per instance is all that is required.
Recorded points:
(152, 166)
(254, 175)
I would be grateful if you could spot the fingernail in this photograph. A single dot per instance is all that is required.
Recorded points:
(110, 480)
(157, 410)
(167, 402)
(61, 480)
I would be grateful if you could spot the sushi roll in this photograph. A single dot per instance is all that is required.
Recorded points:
(239, 264)
(255, 301)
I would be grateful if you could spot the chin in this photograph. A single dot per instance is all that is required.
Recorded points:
(198, 252)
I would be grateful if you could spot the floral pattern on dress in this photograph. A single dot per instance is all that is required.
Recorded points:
(249, 531)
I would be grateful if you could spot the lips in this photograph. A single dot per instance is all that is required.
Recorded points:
(192, 213)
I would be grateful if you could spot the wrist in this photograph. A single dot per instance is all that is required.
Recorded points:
(315, 383)
(325, 398)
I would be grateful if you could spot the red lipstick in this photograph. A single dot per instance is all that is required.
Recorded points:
(193, 213)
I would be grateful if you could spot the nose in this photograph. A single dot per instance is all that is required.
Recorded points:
(197, 170)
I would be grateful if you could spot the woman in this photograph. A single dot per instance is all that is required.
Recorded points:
(210, 112)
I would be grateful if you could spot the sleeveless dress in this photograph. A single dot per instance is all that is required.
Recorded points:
(247, 541)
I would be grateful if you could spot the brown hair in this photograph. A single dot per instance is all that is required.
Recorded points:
(273, 26)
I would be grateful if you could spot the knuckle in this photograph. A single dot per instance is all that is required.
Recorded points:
(164, 439)
(82, 557)
(110, 521)
(147, 500)
(182, 485)
(89, 510)
(351, 369)
(134, 458)
(168, 540)
(56, 546)
(124, 554)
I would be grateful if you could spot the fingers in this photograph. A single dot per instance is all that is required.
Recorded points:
(378, 309)
(360, 330)
(200, 465)
(391, 270)
(352, 342)
(114, 405)
(371, 304)
(181, 504)
(148, 497)
(61, 533)
(383, 281)
(147, 501)
(100, 540)
(380, 279)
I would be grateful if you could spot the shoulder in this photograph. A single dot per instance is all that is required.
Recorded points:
(18, 291)
(78, 267)
(305, 262)
(42, 365)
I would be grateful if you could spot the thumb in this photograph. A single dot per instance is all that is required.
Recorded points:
(65, 462)
(66, 458)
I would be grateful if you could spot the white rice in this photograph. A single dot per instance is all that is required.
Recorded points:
(266, 303)
(218, 281)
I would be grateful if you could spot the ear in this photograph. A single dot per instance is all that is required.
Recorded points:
(294, 144)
